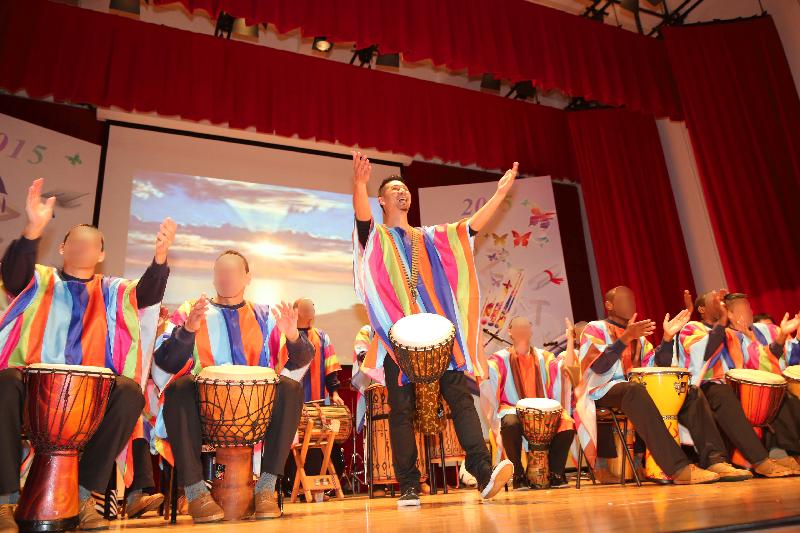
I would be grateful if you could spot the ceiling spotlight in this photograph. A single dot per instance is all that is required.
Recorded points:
(224, 25)
(388, 60)
(522, 90)
(488, 81)
(321, 44)
(364, 55)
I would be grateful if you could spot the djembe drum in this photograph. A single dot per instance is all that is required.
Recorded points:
(540, 418)
(423, 346)
(64, 405)
(235, 404)
(761, 394)
(321, 417)
(792, 376)
(667, 386)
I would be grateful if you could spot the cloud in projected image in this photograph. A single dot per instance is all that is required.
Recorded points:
(295, 239)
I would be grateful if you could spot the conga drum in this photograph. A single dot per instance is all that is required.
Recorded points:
(792, 376)
(667, 386)
(540, 418)
(235, 404)
(761, 394)
(64, 405)
(321, 417)
(423, 346)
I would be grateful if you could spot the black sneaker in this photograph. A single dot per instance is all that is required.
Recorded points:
(558, 481)
(521, 483)
(409, 498)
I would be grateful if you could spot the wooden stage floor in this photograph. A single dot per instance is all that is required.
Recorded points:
(593, 508)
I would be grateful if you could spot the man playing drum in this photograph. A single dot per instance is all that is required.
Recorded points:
(726, 338)
(228, 330)
(609, 349)
(400, 271)
(75, 316)
(524, 371)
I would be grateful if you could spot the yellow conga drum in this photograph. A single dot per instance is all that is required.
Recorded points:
(792, 375)
(667, 387)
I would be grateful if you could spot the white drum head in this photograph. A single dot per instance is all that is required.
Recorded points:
(46, 367)
(755, 376)
(421, 330)
(542, 404)
(792, 372)
(238, 373)
(659, 370)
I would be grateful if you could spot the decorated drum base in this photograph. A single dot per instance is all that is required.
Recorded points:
(51, 494)
(232, 485)
(538, 469)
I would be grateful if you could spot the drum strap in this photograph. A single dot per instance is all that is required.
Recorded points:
(412, 278)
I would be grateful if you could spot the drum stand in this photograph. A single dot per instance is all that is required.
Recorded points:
(327, 478)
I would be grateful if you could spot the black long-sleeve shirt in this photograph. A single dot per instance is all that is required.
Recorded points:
(19, 264)
(613, 353)
(175, 351)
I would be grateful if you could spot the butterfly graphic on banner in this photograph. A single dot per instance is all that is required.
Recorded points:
(521, 239)
(499, 240)
(540, 218)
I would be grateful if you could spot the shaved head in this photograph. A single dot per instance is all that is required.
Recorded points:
(620, 302)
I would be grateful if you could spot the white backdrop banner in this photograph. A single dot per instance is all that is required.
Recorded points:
(69, 168)
(518, 256)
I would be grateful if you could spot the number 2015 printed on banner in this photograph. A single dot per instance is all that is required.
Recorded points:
(34, 155)
(471, 206)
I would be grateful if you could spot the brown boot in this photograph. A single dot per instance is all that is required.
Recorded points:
(694, 475)
(88, 517)
(204, 509)
(7, 522)
(142, 503)
(266, 505)
(728, 472)
(778, 467)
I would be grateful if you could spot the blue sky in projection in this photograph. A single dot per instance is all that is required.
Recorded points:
(302, 235)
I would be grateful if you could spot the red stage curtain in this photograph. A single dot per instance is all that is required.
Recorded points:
(570, 223)
(743, 115)
(79, 55)
(513, 39)
(631, 210)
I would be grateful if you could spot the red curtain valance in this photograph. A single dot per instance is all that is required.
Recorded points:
(83, 56)
(513, 39)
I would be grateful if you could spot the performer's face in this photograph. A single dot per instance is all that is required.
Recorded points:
(520, 330)
(83, 248)
(230, 276)
(395, 197)
(305, 311)
(740, 314)
(713, 309)
(623, 303)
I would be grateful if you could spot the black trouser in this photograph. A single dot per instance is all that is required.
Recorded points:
(182, 420)
(729, 416)
(142, 466)
(786, 426)
(638, 406)
(511, 432)
(465, 419)
(125, 404)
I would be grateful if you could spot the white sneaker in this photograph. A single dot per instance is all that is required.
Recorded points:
(501, 475)
(466, 478)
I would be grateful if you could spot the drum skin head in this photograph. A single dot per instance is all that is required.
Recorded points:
(750, 375)
(238, 373)
(659, 370)
(45, 367)
(421, 330)
(542, 404)
(792, 372)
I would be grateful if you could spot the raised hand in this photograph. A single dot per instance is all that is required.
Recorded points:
(674, 326)
(688, 301)
(362, 168)
(164, 238)
(635, 329)
(787, 327)
(39, 213)
(196, 314)
(570, 333)
(505, 183)
(286, 320)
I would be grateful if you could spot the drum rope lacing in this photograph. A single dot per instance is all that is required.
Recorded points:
(246, 427)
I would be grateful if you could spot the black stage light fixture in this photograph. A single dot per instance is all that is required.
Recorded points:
(388, 60)
(224, 25)
(522, 90)
(322, 44)
(488, 81)
(364, 55)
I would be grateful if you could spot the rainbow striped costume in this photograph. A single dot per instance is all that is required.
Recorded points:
(325, 362)
(448, 286)
(97, 323)
(598, 336)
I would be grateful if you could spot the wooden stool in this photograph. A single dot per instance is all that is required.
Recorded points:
(327, 478)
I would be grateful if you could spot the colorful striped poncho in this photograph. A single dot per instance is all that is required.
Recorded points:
(325, 362)
(544, 367)
(738, 350)
(598, 336)
(448, 286)
(97, 323)
(244, 335)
